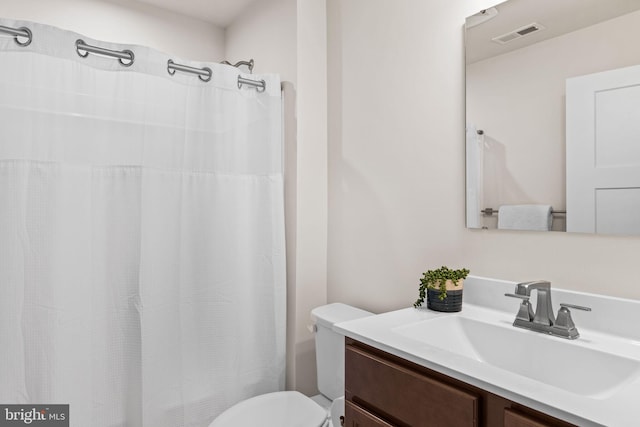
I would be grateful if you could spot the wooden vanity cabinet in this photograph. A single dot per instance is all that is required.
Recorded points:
(385, 390)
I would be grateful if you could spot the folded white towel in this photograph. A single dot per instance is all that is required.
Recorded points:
(525, 217)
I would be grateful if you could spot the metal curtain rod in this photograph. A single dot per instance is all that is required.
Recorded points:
(120, 54)
(248, 63)
(126, 57)
(260, 85)
(18, 32)
(204, 74)
(491, 211)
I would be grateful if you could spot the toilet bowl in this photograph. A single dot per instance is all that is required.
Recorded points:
(283, 408)
(291, 408)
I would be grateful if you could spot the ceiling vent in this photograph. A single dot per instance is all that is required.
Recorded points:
(520, 32)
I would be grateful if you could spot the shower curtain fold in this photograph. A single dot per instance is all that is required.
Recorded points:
(142, 255)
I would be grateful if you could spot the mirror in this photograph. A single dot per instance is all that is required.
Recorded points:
(553, 116)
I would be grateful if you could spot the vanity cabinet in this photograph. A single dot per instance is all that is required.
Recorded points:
(385, 390)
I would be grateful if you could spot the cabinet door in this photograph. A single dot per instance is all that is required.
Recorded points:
(358, 417)
(515, 419)
(404, 396)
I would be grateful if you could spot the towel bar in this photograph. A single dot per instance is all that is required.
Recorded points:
(491, 211)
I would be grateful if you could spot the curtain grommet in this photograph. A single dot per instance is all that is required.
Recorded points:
(208, 77)
(132, 58)
(29, 37)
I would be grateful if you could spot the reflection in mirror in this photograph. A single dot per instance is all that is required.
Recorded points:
(553, 116)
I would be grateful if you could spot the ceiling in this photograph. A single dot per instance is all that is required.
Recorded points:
(219, 12)
(559, 17)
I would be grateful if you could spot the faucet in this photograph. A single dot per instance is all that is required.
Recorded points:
(543, 320)
(544, 310)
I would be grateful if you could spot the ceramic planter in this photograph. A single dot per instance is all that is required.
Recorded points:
(453, 301)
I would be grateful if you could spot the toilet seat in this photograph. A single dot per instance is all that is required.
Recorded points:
(279, 409)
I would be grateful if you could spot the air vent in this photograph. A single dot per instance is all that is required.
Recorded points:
(518, 33)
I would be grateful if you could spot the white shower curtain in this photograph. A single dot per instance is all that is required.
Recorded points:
(142, 270)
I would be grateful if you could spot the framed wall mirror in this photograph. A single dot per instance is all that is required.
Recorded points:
(553, 116)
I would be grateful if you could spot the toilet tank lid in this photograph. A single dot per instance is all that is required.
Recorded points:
(330, 314)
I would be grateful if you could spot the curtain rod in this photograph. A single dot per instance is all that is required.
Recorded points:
(203, 74)
(248, 63)
(120, 54)
(491, 211)
(260, 85)
(18, 32)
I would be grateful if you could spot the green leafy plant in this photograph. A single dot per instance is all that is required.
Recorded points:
(437, 279)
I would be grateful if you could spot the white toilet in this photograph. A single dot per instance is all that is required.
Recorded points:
(291, 408)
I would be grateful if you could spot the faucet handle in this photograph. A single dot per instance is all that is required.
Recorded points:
(525, 312)
(523, 297)
(577, 307)
(564, 325)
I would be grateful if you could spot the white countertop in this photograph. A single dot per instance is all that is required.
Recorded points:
(612, 326)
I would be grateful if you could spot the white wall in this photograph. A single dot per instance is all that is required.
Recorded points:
(396, 178)
(518, 99)
(123, 21)
(396, 167)
(266, 32)
(312, 191)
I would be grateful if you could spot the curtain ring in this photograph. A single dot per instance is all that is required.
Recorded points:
(209, 72)
(131, 58)
(170, 70)
(29, 37)
(78, 43)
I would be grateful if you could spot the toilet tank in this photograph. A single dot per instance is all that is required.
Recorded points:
(330, 346)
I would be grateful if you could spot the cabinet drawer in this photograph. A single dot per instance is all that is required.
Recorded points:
(517, 419)
(403, 396)
(357, 417)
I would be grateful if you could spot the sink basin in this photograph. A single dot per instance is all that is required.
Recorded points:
(562, 363)
(592, 381)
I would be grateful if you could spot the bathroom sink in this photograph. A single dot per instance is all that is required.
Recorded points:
(569, 365)
(591, 381)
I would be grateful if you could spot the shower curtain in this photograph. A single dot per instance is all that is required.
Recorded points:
(142, 269)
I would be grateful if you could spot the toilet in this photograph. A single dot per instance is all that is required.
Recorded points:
(291, 408)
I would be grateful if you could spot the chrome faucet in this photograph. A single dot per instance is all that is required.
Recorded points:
(544, 310)
(543, 320)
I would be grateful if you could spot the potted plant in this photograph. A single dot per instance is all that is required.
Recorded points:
(442, 288)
